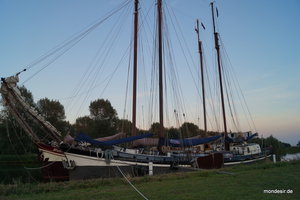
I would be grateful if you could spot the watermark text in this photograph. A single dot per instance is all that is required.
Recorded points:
(278, 191)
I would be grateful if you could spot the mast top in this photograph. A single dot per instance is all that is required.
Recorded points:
(213, 16)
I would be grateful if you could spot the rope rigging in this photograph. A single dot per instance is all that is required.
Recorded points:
(69, 43)
(92, 68)
(184, 48)
(174, 96)
(22, 161)
(233, 91)
(239, 92)
(142, 77)
(105, 55)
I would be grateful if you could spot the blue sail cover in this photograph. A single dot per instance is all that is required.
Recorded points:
(84, 138)
(237, 140)
(230, 140)
(190, 142)
(251, 136)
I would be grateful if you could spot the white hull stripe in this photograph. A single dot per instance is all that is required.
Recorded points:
(82, 160)
(245, 161)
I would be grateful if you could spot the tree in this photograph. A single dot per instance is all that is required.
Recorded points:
(298, 145)
(286, 145)
(155, 128)
(101, 109)
(278, 147)
(209, 133)
(104, 118)
(27, 95)
(84, 124)
(124, 126)
(54, 112)
(189, 129)
(173, 133)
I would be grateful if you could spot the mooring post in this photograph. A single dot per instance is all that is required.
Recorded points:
(150, 168)
(274, 158)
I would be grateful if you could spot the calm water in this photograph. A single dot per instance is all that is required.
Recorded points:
(289, 157)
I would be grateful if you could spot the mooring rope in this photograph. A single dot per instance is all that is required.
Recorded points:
(8, 135)
(35, 168)
(140, 193)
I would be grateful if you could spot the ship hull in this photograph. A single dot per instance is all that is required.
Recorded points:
(245, 160)
(52, 166)
(86, 166)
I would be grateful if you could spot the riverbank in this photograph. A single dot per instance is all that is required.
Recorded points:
(256, 181)
(19, 169)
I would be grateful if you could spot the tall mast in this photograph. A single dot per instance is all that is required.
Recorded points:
(136, 15)
(161, 108)
(217, 46)
(202, 74)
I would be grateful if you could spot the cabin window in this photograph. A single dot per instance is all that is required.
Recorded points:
(248, 150)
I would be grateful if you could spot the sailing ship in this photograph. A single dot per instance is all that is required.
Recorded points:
(96, 160)
(237, 150)
(85, 157)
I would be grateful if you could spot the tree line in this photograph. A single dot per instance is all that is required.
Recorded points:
(102, 121)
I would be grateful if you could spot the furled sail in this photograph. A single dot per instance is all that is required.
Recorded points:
(176, 142)
(68, 139)
(191, 142)
(84, 138)
(12, 98)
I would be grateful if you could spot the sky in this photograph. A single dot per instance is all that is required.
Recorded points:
(261, 38)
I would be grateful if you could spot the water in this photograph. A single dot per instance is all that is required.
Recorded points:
(289, 157)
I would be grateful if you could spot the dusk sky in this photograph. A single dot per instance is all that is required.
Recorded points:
(261, 38)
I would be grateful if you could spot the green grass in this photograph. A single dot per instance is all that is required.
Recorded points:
(17, 158)
(13, 168)
(238, 182)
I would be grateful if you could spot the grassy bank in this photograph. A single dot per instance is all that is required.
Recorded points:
(239, 182)
(19, 168)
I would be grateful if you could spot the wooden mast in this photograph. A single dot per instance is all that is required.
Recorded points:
(161, 108)
(202, 74)
(217, 46)
(136, 15)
